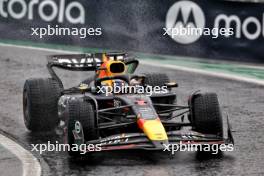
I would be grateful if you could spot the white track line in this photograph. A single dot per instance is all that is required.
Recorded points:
(175, 67)
(30, 164)
(209, 73)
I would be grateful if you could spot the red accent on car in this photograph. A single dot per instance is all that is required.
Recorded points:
(140, 123)
(122, 147)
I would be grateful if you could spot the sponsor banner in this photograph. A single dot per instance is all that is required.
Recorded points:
(219, 29)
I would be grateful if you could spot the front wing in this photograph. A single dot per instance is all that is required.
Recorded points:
(140, 140)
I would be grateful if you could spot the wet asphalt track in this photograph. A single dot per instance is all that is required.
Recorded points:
(242, 101)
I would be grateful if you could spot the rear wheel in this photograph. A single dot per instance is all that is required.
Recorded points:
(156, 79)
(40, 97)
(81, 113)
(159, 79)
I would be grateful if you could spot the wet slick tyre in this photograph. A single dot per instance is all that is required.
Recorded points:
(207, 119)
(207, 114)
(82, 122)
(159, 79)
(40, 97)
(156, 79)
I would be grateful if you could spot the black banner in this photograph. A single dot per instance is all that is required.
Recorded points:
(226, 30)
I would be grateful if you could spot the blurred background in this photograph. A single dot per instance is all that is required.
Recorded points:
(139, 26)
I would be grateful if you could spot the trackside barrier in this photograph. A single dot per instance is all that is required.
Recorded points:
(145, 26)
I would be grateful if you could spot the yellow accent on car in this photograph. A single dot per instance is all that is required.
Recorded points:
(83, 86)
(154, 130)
(111, 68)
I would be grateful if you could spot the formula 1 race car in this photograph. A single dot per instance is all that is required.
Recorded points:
(89, 114)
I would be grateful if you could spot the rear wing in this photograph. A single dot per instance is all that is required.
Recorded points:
(87, 62)
(76, 62)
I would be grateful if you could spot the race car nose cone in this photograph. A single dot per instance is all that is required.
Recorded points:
(153, 129)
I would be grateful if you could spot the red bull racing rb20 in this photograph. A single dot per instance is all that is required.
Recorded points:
(89, 115)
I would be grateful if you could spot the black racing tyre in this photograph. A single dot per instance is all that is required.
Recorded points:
(159, 79)
(156, 79)
(83, 112)
(40, 97)
(207, 117)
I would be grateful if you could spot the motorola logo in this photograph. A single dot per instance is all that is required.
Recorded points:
(60, 10)
(185, 15)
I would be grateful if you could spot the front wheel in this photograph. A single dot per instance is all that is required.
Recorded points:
(207, 119)
(82, 122)
(206, 114)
